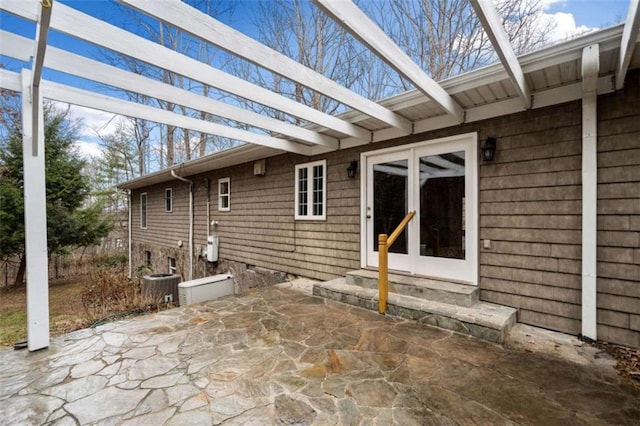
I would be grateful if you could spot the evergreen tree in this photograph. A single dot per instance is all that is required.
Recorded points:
(70, 221)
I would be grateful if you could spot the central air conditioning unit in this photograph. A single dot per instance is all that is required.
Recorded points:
(161, 287)
(207, 288)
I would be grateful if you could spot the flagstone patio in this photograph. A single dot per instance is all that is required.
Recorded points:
(278, 356)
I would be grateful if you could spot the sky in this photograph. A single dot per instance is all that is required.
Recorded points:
(570, 17)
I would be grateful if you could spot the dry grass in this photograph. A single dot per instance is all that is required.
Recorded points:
(65, 309)
(628, 361)
(104, 294)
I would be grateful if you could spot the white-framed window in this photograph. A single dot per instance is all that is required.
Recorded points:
(143, 210)
(311, 191)
(224, 194)
(168, 200)
(171, 261)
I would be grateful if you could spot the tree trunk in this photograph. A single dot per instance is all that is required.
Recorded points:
(21, 270)
(170, 146)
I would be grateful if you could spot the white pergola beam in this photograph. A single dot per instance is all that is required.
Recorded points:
(80, 66)
(22, 8)
(493, 27)
(35, 219)
(541, 99)
(58, 92)
(194, 22)
(10, 80)
(40, 47)
(590, 70)
(74, 96)
(354, 20)
(627, 45)
(116, 77)
(82, 26)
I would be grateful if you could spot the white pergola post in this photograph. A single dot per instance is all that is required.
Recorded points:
(35, 218)
(590, 69)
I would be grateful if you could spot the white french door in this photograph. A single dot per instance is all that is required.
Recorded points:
(437, 179)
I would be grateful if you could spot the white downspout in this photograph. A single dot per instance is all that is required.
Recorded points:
(590, 69)
(129, 234)
(173, 173)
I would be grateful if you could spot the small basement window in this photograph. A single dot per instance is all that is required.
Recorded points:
(168, 200)
(147, 258)
(310, 191)
(224, 194)
(172, 264)
(143, 210)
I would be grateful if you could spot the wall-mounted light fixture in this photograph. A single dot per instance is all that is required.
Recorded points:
(489, 149)
(260, 167)
(352, 169)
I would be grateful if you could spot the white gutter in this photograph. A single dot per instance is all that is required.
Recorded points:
(590, 69)
(173, 173)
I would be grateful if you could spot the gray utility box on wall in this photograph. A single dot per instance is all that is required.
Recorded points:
(161, 287)
(207, 288)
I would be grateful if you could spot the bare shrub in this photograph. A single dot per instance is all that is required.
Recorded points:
(109, 293)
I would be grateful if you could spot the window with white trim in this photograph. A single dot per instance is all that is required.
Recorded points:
(168, 200)
(143, 210)
(311, 191)
(172, 264)
(224, 194)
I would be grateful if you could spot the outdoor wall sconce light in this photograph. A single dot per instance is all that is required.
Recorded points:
(352, 169)
(489, 149)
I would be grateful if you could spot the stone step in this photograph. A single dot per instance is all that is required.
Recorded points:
(422, 288)
(483, 320)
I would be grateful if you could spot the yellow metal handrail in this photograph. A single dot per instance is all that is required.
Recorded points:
(384, 243)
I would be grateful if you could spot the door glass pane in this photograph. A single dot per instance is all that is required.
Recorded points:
(442, 227)
(391, 197)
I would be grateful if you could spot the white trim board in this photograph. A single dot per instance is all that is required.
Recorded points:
(466, 141)
(541, 99)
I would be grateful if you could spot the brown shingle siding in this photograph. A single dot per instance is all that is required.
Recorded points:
(546, 165)
(619, 214)
(553, 193)
(615, 319)
(260, 229)
(532, 235)
(532, 221)
(530, 209)
(547, 320)
(535, 304)
(530, 204)
(620, 335)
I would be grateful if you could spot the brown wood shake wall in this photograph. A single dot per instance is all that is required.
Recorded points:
(619, 214)
(259, 229)
(529, 202)
(530, 210)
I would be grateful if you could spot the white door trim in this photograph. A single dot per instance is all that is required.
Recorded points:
(470, 141)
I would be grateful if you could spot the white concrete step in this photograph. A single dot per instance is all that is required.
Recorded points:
(483, 320)
(423, 288)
